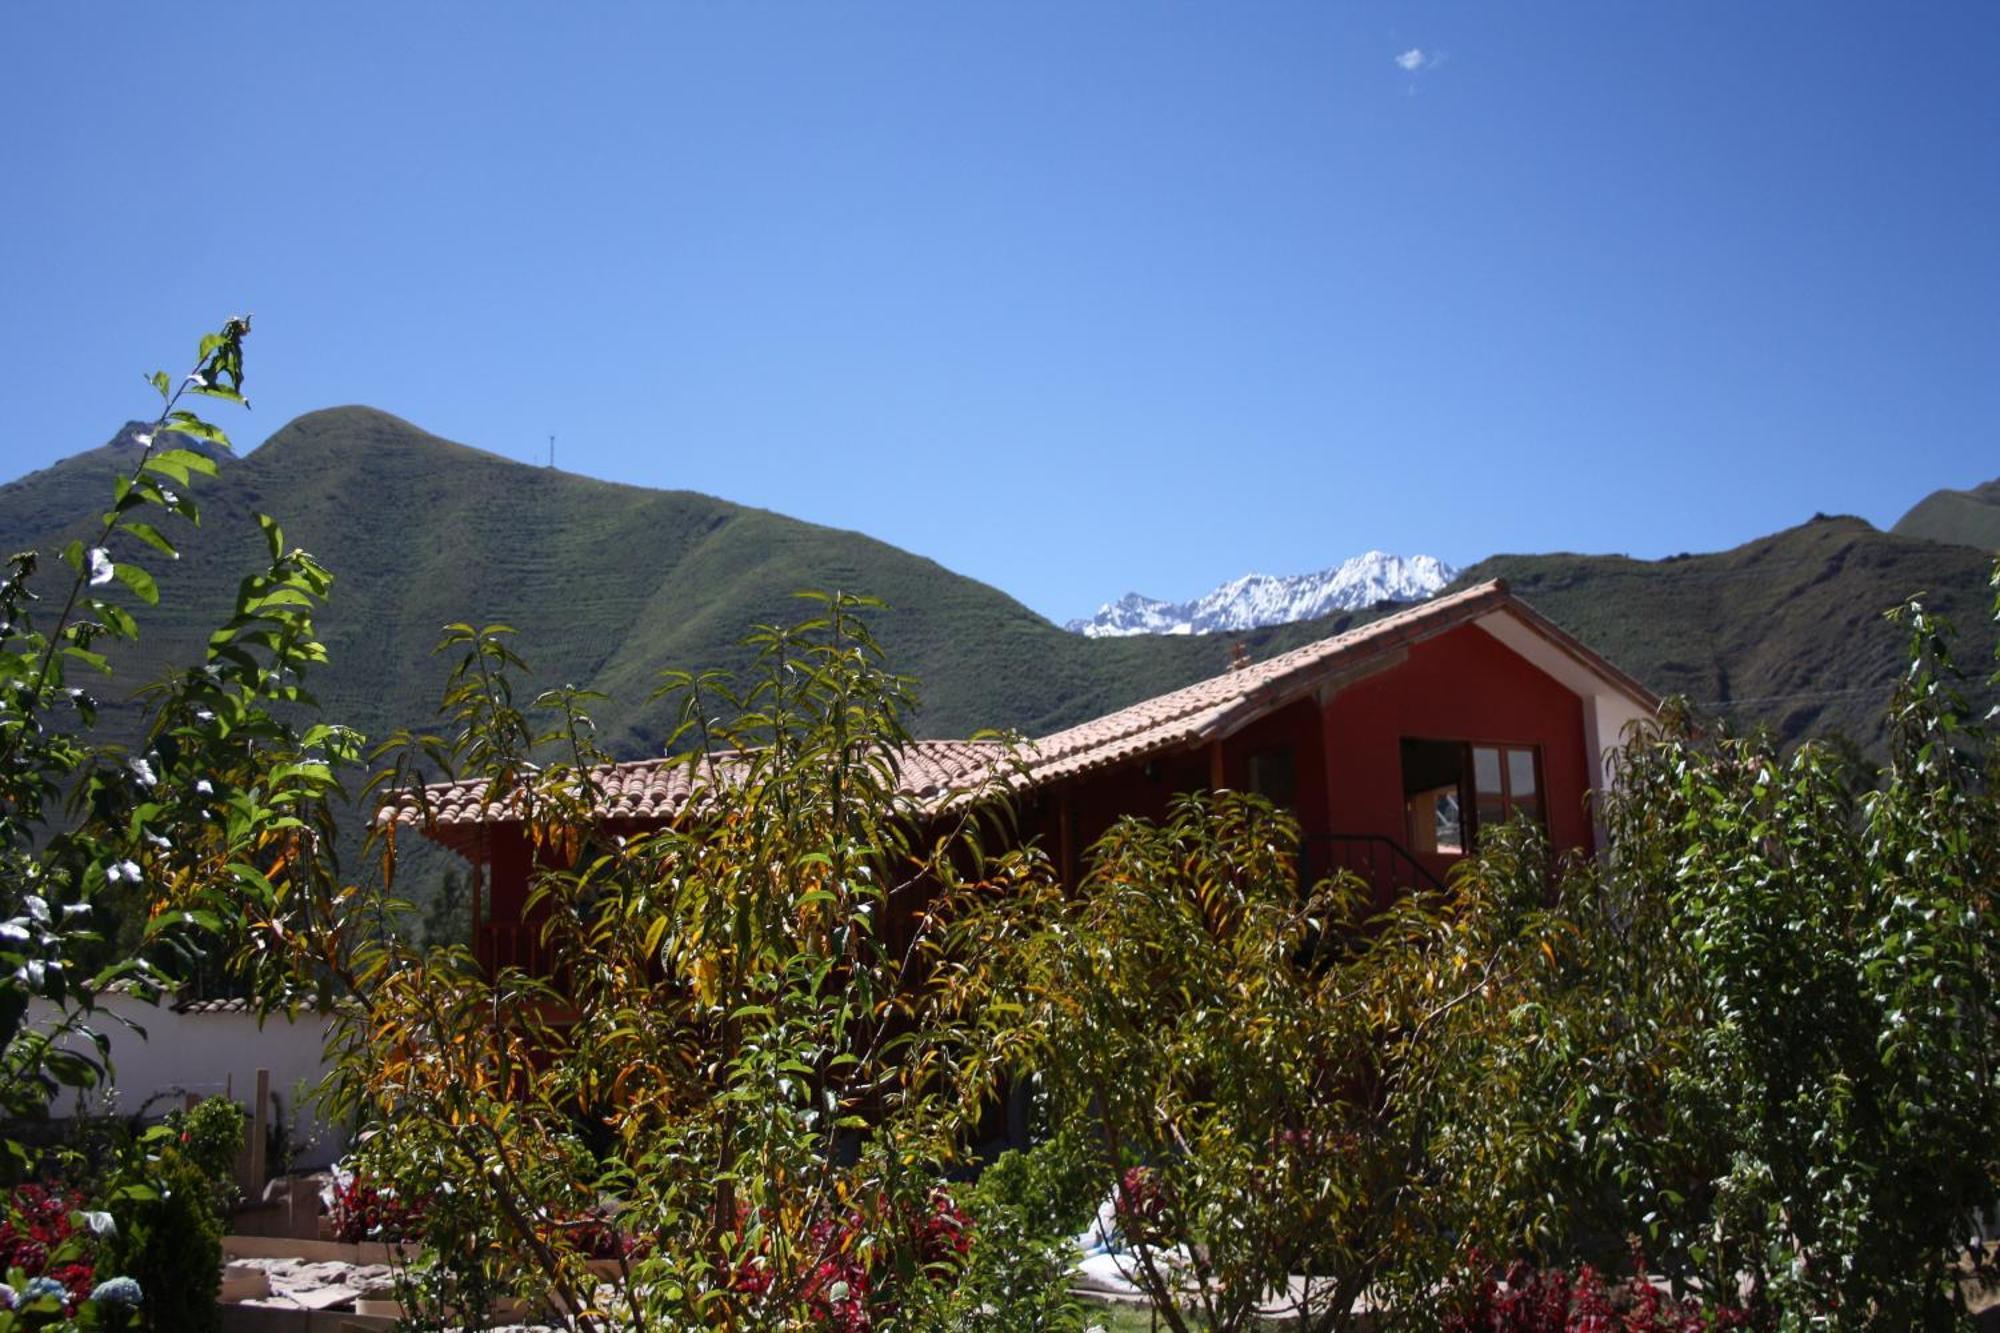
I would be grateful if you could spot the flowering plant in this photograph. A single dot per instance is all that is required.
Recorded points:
(39, 1240)
(364, 1209)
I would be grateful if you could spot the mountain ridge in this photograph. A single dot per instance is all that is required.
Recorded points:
(607, 583)
(1254, 601)
(1970, 517)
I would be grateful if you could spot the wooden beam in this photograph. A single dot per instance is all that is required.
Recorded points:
(1065, 841)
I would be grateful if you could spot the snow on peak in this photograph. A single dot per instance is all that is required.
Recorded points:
(1264, 599)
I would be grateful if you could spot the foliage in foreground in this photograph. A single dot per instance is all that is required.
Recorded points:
(178, 860)
(1787, 1055)
(1758, 1033)
(733, 1037)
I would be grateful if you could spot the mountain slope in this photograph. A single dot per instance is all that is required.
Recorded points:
(1256, 600)
(1787, 630)
(1964, 518)
(606, 584)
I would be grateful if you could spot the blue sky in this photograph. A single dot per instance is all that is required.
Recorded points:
(1074, 298)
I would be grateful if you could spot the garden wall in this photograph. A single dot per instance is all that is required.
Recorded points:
(206, 1049)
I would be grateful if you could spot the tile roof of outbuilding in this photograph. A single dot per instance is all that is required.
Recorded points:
(649, 790)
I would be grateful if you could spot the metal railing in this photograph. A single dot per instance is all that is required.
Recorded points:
(1378, 860)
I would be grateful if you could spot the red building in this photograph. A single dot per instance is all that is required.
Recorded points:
(1394, 743)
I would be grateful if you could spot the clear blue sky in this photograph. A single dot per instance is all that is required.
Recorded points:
(1074, 298)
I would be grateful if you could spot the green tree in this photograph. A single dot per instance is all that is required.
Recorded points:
(209, 829)
(745, 1059)
(1795, 1072)
(1273, 1079)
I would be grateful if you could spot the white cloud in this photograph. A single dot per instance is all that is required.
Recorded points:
(1413, 60)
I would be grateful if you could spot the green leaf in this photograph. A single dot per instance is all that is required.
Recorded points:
(274, 536)
(152, 536)
(189, 459)
(88, 658)
(167, 468)
(139, 581)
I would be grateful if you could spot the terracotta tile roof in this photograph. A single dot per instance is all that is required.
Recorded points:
(238, 1006)
(655, 789)
(1219, 705)
(649, 790)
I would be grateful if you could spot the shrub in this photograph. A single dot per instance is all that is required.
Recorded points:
(1554, 1300)
(39, 1238)
(210, 1135)
(364, 1209)
(750, 1062)
(169, 1237)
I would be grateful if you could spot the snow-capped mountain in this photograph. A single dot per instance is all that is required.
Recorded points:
(1265, 599)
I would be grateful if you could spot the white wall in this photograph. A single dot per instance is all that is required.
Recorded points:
(207, 1053)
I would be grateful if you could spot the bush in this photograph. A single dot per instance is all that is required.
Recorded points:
(210, 1135)
(39, 1238)
(365, 1209)
(1554, 1300)
(1023, 1215)
(169, 1237)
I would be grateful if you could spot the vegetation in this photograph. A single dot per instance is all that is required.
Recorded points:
(1757, 1037)
(146, 863)
(1784, 632)
(735, 1058)
(1274, 1082)
(1962, 518)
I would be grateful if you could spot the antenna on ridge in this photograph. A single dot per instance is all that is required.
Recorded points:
(552, 451)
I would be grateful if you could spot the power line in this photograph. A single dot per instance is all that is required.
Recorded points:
(1875, 691)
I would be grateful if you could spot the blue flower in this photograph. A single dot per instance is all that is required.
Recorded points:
(7, 1297)
(117, 1291)
(39, 1287)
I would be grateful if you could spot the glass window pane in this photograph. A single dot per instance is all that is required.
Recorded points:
(1520, 773)
(1486, 769)
(1450, 830)
(1491, 814)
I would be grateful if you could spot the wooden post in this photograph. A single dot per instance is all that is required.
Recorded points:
(260, 1121)
(1065, 851)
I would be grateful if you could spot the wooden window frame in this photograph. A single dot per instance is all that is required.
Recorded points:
(1468, 788)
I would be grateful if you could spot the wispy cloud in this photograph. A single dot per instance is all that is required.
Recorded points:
(1413, 60)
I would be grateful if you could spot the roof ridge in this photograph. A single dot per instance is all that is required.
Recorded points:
(1202, 695)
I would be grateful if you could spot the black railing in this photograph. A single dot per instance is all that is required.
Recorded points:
(1378, 861)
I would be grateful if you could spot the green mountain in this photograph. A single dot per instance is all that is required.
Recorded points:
(1963, 518)
(1786, 631)
(607, 584)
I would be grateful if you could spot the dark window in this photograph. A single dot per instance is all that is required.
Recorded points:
(1272, 778)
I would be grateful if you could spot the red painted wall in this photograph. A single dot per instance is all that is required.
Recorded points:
(1461, 686)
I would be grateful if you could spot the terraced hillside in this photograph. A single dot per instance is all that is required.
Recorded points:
(1785, 631)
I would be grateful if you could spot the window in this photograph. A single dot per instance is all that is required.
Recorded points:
(1271, 777)
(1452, 789)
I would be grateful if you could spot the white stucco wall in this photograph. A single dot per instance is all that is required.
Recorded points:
(207, 1053)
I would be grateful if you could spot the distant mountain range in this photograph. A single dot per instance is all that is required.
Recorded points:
(1257, 600)
(607, 584)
